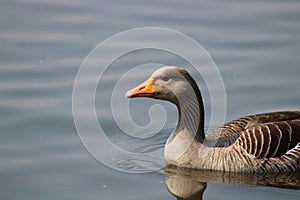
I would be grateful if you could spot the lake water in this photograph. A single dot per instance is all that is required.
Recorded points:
(254, 44)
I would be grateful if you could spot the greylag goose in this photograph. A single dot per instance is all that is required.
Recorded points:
(267, 142)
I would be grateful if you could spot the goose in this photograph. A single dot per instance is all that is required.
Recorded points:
(268, 142)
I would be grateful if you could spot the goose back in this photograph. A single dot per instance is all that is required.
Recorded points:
(231, 131)
(270, 140)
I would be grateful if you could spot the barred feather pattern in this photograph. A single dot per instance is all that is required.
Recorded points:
(262, 143)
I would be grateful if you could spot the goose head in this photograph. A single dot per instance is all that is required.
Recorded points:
(175, 84)
(167, 83)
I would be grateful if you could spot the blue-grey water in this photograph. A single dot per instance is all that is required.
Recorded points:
(255, 45)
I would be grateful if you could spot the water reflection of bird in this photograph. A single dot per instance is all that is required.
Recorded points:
(191, 184)
(185, 188)
(259, 143)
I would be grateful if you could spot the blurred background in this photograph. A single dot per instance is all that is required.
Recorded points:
(255, 44)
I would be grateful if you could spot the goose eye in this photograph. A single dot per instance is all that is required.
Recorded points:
(164, 78)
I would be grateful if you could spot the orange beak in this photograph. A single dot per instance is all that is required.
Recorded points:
(143, 90)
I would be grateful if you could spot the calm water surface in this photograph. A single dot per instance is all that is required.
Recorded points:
(255, 44)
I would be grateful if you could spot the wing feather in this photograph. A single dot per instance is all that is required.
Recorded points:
(264, 136)
(270, 140)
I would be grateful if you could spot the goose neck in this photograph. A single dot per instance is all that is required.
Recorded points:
(191, 117)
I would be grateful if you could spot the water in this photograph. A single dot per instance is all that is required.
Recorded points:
(43, 43)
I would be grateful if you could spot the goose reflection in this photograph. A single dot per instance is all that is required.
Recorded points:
(191, 184)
